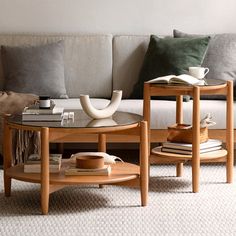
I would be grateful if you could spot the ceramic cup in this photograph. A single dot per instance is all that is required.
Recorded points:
(198, 72)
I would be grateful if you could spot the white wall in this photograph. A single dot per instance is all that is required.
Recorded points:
(118, 16)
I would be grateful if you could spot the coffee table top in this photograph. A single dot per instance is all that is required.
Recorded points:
(81, 120)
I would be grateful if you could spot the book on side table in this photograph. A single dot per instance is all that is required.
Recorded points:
(33, 163)
(180, 79)
(186, 148)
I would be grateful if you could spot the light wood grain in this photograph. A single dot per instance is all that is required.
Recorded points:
(179, 120)
(120, 172)
(44, 170)
(230, 132)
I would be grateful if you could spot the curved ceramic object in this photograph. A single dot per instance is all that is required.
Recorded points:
(106, 112)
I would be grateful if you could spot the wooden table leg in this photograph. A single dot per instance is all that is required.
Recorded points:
(45, 170)
(144, 176)
(7, 155)
(102, 143)
(196, 139)
(179, 120)
(230, 132)
(101, 147)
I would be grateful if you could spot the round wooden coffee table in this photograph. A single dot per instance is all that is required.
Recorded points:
(121, 123)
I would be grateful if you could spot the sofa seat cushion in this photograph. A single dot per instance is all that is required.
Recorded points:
(163, 111)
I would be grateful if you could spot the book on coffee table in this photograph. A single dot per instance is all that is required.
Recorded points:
(33, 164)
(72, 170)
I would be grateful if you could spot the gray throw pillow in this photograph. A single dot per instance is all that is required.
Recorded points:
(35, 69)
(220, 58)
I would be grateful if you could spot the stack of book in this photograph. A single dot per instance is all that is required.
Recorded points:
(34, 113)
(186, 148)
(33, 163)
(72, 170)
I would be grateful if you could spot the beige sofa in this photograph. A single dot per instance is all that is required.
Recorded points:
(98, 64)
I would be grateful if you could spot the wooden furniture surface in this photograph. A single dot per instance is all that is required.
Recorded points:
(122, 173)
(214, 87)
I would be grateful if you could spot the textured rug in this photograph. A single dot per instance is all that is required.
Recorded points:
(172, 209)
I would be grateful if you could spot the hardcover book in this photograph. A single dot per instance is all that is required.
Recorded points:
(180, 79)
(33, 164)
(186, 152)
(41, 117)
(188, 146)
(72, 170)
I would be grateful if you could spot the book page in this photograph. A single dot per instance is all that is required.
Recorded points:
(185, 79)
(162, 79)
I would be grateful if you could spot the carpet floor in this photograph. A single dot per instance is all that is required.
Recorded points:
(172, 208)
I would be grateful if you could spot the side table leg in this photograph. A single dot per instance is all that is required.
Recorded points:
(196, 139)
(44, 170)
(7, 154)
(144, 162)
(179, 169)
(179, 120)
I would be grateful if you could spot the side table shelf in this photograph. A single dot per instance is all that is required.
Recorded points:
(219, 155)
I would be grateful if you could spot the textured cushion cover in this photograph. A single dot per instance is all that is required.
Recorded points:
(170, 56)
(220, 58)
(35, 69)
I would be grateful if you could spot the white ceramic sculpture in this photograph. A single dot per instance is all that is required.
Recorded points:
(106, 112)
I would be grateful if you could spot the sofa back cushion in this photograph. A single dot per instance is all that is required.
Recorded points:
(87, 58)
(128, 56)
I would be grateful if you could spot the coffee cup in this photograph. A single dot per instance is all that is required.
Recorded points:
(198, 72)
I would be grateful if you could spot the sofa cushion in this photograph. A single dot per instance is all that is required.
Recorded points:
(163, 112)
(128, 55)
(87, 60)
(38, 69)
(170, 56)
(220, 58)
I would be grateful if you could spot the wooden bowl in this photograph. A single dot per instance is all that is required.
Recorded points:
(89, 162)
(182, 133)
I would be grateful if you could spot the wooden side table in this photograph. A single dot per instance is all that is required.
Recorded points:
(214, 87)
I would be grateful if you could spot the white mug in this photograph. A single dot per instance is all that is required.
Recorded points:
(198, 72)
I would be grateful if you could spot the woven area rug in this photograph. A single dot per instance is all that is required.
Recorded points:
(172, 209)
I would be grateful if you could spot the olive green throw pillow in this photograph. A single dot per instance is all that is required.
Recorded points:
(170, 56)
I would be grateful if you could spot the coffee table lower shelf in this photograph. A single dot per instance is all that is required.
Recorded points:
(121, 171)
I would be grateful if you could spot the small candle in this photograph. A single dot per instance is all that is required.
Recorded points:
(44, 102)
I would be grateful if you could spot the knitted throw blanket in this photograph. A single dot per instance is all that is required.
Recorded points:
(14, 103)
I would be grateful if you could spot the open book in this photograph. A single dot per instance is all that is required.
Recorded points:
(180, 79)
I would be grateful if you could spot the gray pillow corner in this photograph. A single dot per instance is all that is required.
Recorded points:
(37, 69)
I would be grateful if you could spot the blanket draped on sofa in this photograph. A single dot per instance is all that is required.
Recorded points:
(12, 103)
